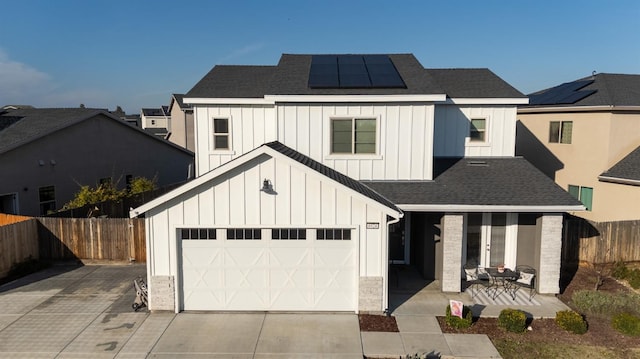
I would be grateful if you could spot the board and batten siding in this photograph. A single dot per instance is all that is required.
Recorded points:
(250, 127)
(452, 131)
(303, 198)
(404, 136)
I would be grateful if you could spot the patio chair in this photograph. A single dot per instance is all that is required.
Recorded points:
(475, 277)
(526, 279)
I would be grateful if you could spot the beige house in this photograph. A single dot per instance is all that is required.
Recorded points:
(585, 135)
(182, 132)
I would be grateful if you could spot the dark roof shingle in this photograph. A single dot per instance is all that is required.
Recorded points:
(627, 168)
(479, 182)
(473, 83)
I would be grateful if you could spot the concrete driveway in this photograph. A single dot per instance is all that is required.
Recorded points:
(81, 312)
(85, 312)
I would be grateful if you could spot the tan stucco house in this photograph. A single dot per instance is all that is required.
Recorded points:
(585, 134)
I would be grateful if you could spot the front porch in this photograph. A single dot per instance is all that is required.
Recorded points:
(411, 294)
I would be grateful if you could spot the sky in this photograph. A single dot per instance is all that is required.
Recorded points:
(136, 53)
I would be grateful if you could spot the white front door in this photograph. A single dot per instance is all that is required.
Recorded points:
(268, 274)
(491, 239)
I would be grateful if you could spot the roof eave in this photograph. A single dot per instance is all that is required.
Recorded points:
(487, 101)
(545, 109)
(490, 208)
(619, 180)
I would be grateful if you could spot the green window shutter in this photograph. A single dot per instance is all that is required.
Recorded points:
(586, 196)
(574, 191)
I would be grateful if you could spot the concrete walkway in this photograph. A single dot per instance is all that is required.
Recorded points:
(81, 312)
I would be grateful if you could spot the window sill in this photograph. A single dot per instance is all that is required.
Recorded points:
(353, 157)
(222, 152)
(477, 144)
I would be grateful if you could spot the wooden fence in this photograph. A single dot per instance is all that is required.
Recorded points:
(601, 243)
(99, 240)
(18, 241)
(94, 239)
(11, 218)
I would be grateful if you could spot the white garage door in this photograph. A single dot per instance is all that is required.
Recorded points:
(283, 269)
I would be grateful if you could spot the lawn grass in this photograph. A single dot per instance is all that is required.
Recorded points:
(524, 350)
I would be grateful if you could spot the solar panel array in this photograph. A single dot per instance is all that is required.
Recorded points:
(353, 71)
(565, 94)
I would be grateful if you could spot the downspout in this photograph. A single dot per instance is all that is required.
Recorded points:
(385, 285)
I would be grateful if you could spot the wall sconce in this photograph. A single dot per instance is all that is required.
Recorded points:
(53, 162)
(267, 187)
(40, 162)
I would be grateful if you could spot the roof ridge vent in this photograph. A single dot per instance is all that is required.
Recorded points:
(477, 163)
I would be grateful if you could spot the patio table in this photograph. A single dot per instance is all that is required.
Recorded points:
(501, 281)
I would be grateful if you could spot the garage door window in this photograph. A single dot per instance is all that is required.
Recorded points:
(244, 233)
(289, 234)
(333, 234)
(198, 233)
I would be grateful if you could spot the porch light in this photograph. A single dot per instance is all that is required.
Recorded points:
(267, 186)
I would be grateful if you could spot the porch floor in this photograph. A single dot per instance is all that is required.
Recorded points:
(410, 294)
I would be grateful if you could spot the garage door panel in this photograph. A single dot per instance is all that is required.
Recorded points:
(269, 275)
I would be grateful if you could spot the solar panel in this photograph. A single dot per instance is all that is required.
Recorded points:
(353, 71)
(566, 93)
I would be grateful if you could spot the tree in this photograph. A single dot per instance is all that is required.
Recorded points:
(142, 184)
(108, 192)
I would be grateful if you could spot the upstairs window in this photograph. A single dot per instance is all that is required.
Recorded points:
(560, 131)
(221, 134)
(353, 136)
(583, 194)
(47, 197)
(478, 130)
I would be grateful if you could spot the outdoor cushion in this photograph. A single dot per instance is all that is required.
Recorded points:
(471, 274)
(525, 278)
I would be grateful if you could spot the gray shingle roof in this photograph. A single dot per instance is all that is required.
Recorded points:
(333, 174)
(291, 75)
(30, 124)
(473, 83)
(627, 168)
(610, 90)
(479, 182)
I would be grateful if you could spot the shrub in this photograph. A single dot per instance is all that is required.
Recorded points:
(457, 322)
(571, 321)
(619, 270)
(605, 304)
(626, 323)
(513, 320)
(634, 278)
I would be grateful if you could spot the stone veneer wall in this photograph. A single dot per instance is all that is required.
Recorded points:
(452, 252)
(550, 253)
(162, 293)
(370, 294)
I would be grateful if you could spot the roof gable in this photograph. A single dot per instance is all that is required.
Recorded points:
(274, 149)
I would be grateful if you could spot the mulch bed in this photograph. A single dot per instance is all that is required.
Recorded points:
(377, 323)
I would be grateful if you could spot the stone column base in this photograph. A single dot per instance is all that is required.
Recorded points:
(162, 293)
(370, 295)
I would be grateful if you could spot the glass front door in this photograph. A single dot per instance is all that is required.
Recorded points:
(486, 239)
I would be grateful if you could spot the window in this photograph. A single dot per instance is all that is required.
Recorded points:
(153, 122)
(221, 134)
(333, 234)
(244, 233)
(583, 194)
(477, 130)
(289, 234)
(198, 233)
(47, 196)
(353, 135)
(560, 131)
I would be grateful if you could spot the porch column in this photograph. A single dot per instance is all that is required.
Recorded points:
(452, 252)
(550, 253)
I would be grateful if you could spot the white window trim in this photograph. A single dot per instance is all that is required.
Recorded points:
(212, 149)
(334, 156)
(487, 132)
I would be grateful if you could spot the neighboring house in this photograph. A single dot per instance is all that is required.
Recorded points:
(181, 132)
(315, 174)
(156, 121)
(47, 154)
(584, 134)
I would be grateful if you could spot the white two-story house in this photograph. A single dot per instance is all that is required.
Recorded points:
(317, 173)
